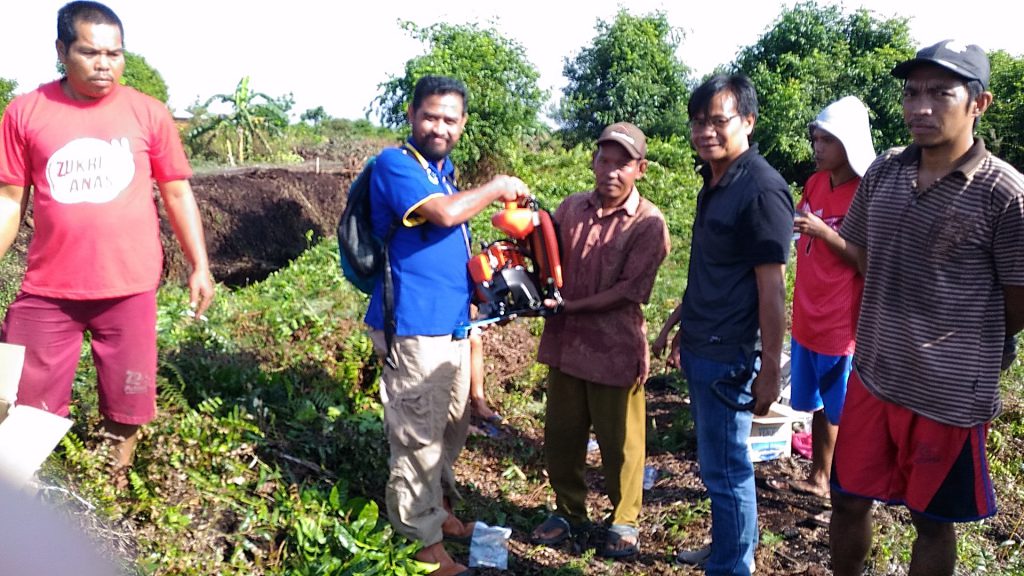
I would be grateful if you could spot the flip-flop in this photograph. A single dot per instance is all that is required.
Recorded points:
(491, 430)
(697, 557)
(552, 522)
(618, 533)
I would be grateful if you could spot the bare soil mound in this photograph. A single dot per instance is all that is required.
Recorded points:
(259, 219)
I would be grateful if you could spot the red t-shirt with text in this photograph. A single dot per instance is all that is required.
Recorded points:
(92, 165)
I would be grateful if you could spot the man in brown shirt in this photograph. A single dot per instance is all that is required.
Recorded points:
(936, 229)
(612, 242)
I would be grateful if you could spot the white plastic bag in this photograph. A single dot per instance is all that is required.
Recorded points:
(489, 547)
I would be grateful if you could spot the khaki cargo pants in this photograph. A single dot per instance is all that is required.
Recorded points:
(426, 419)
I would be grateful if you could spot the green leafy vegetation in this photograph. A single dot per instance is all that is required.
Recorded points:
(812, 56)
(245, 132)
(504, 99)
(7, 88)
(629, 72)
(1003, 123)
(140, 75)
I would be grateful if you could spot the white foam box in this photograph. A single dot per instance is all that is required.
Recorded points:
(771, 435)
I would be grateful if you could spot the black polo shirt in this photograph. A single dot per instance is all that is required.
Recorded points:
(744, 221)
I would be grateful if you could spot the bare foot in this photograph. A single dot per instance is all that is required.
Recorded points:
(454, 529)
(457, 530)
(121, 439)
(809, 488)
(482, 411)
(436, 554)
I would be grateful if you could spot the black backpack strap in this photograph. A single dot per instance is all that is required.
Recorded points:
(388, 293)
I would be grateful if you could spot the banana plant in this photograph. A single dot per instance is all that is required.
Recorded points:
(252, 118)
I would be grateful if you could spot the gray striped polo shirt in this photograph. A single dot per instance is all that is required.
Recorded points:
(932, 322)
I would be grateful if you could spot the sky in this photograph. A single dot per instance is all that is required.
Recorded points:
(336, 54)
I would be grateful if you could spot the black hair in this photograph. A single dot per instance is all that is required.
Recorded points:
(432, 85)
(974, 89)
(83, 11)
(739, 85)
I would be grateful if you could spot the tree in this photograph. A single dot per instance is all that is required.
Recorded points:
(630, 73)
(7, 88)
(1002, 126)
(140, 75)
(245, 130)
(504, 99)
(315, 116)
(812, 56)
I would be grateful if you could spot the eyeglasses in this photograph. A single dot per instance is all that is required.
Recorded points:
(716, 122)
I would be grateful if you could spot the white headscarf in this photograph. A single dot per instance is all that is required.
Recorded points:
(847, 120)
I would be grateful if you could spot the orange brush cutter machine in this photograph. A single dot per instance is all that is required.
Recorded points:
(514, 276)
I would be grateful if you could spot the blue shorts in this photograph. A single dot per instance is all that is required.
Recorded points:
(818, 380)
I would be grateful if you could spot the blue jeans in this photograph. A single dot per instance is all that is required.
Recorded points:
(725, 466)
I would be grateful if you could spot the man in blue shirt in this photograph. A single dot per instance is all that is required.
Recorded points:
(425, 387)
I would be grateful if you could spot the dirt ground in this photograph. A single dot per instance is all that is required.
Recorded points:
(673, 517)
(257, 219)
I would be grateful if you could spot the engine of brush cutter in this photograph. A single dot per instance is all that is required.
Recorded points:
(514, 276)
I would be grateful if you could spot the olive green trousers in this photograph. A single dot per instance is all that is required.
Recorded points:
(618, 418)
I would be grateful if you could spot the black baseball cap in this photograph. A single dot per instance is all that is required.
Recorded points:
(966, 60)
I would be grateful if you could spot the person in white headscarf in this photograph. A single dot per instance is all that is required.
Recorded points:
(827, 292)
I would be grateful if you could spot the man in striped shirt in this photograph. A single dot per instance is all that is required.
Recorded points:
(937, 230)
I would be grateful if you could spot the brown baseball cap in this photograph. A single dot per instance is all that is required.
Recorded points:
(626, 135)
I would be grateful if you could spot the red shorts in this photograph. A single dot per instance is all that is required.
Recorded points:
(123, 334)
(886, 452)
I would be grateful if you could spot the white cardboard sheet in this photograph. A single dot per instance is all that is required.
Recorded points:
(27, 437)
(12, 359)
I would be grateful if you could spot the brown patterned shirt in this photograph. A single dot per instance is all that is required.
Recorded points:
(618, 250)
(932, 321)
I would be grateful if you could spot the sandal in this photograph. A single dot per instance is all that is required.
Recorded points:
(617, 534)
(697, 557)
(553, 522)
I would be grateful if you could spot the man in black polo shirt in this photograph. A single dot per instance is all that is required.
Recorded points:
(736, 288)
(937, 229)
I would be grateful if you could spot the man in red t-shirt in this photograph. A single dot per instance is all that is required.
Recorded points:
(826, 295)
(91, 149)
